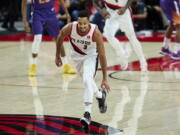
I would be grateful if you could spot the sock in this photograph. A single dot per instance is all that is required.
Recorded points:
(166, 42)
(98, 94)
(64, 60)
(33, 60)
(36, 43)
(88, 107)
(176, 47)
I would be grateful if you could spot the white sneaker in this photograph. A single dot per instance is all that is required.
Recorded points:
(124, 63)
(143, 65)
(144, 70)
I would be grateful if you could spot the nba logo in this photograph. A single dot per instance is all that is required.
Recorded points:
(88, 37)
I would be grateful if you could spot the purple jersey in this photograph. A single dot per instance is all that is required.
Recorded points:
(44, 17)
(172, 10)
(43, 4)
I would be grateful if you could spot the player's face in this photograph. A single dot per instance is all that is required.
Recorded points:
(83, 24)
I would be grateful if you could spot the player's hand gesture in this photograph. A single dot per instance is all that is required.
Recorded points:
(58, 61)
(121, 11)
(105, 13)
(105, 85)
(26, 26)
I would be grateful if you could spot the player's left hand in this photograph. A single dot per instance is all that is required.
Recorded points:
(26, 26)
(121, 11)
(105, 85)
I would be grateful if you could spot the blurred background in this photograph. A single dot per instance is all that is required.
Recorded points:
(148, 17)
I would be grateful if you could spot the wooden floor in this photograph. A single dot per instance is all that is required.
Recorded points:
(139, 104)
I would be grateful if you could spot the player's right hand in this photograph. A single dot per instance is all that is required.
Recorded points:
(58, 61)
(26, 26)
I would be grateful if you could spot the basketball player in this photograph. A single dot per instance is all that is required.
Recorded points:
(44, 16)
(172, 11)
(118, 16)
(87, 46)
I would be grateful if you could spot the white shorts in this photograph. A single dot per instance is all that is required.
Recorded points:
(85, 64)
(116, 22)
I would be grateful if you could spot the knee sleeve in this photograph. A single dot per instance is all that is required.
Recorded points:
(36, 44)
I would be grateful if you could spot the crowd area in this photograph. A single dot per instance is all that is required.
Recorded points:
(147, 14)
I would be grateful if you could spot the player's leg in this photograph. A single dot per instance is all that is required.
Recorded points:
(176, 52)
(176, 19)
(37, 31)
(53, 31)
(89, 68)
(109, 32)
(126, 25)
(167, 39)
(167, 8)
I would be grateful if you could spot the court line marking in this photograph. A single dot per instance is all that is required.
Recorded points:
(71, 88)
(128, 80)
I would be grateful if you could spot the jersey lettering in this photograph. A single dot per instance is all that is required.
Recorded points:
(85, 47)
(83, 42)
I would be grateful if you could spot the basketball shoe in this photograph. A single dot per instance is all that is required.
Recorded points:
(102, 102)
(176, 56)
(165, 51)
(32, 70)
(143, 65)
(124, 65)
(68, 69)
(86, 120)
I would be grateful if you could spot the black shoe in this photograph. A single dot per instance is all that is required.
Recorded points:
(102, 102)
(85, 121)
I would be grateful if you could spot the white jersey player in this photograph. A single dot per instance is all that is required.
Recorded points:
(118, 16)
(87, 44)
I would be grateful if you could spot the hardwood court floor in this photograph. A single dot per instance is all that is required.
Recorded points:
(138, 104)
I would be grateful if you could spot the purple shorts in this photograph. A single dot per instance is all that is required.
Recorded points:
(45, 20)
(172, 10)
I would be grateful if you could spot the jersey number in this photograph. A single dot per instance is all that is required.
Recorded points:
(85, 47)
(43, 1)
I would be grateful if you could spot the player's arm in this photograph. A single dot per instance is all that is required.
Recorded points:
(97, 37)
(66, 10)
(23, 13)
(101, 8)
(122, 10)
(65, 31)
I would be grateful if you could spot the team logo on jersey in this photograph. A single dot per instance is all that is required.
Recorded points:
(88, 37)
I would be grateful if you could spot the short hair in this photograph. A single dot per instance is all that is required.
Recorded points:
(83, 13)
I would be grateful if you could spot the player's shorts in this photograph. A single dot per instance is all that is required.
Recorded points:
(47, 21)
(172, 10)
(85, 64)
